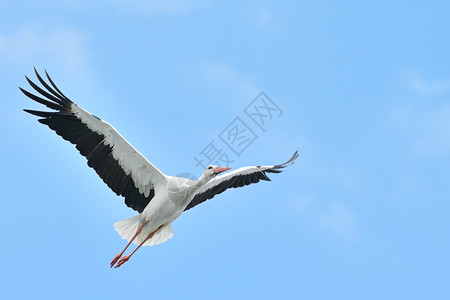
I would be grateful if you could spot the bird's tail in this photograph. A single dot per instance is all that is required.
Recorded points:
(127, 229)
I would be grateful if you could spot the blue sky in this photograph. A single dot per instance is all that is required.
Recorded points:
(364, 90)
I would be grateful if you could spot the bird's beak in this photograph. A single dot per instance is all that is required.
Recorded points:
(221, 169)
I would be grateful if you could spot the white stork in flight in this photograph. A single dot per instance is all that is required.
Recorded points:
(158, 198)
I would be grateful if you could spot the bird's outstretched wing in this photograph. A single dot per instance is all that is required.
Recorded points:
(237, 178)
(127, 172)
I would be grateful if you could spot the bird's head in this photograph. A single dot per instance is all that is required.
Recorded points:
(212, 170)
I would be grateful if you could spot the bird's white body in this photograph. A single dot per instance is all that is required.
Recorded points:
(164, 208)
(167, 205)
(159, 198)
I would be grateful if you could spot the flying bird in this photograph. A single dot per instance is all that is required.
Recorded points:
(158, 198)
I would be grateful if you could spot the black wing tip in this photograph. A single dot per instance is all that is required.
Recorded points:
(56, 88)
(47, 95)
(263, 176)
(22, 89)
(34, 112)
(290, 161)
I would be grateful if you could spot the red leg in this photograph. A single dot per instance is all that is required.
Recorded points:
(127, 257)
(138, 231)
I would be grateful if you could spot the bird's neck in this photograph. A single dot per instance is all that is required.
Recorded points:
(202, 180)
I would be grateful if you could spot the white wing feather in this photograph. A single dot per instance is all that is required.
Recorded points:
(144, 174)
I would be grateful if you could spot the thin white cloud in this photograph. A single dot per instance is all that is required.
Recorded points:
(262, 18)
(436, 125)
(59, 50)
(332, 219)
(423, 123)
(426, 130)
(424, 86)
(31, 45)
(339, 220)
(229, 78)
(266, 20)
(333, 173)
(2, 43)
(172, 7)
